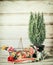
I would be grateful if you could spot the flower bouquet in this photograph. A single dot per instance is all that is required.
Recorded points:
(19, 56)
(30, 54)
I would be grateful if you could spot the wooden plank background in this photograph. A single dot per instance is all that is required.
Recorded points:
(14, 21)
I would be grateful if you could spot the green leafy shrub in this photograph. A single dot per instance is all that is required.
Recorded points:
(36, 28)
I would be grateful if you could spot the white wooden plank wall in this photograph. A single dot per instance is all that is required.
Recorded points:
(14, 20)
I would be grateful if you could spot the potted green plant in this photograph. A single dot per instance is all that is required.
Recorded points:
(36, 29)
(37, 32)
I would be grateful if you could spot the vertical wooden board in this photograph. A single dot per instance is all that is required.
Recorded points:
(14, 32)
(14, 19)
(49, 30)
(20, 19)
(48, 19)
(48, 42)
(25, 6)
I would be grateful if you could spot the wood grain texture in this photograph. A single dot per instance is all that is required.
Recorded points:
(14, 21)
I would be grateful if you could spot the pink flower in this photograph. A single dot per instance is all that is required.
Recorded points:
(31, 51)
(10, 49)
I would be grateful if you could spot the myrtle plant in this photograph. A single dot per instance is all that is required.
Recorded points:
(36, 28)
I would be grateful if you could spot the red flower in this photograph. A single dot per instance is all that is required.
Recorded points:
(24, 56)
(10, 58)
